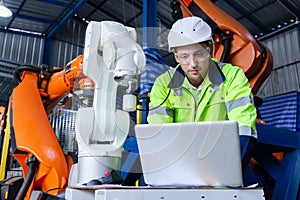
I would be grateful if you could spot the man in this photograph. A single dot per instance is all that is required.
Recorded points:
(200, 88)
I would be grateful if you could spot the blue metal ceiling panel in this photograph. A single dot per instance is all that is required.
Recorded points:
(68, 15)
(49, 18)
(46, 16)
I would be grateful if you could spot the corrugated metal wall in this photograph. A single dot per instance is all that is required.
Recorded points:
(21, 48)
(68, 43)
(17, 49)
(285, 76)
(29, 49)
(63, 52)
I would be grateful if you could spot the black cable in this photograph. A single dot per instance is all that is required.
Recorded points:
(19, 70)
(146, 110)
(78, 99)
(226, 41)
(32, 168)
(59, 188)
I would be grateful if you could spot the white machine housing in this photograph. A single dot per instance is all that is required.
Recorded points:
(112, 57)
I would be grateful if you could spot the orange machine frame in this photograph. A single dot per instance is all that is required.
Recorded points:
(32, 135)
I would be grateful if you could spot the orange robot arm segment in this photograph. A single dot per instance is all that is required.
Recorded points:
(32, 135)
(53, 84)
(33, 138)
(61, 83)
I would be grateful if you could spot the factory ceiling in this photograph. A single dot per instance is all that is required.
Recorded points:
(44, 18)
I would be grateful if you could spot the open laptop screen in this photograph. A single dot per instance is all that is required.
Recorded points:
(190, 154)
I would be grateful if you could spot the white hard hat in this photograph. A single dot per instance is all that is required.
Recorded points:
(189, 30)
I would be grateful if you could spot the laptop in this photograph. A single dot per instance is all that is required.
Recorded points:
(190, 154)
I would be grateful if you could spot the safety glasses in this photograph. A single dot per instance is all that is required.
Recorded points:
(199, 56)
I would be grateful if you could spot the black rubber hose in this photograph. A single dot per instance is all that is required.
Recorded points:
(19, 70)
(226, 41)
(32, 168)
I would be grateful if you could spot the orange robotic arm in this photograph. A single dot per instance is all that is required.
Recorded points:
(233, 42)
(54, 85)
(61, 83)
(34, 143)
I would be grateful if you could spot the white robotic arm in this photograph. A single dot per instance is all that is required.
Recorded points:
(111, 58)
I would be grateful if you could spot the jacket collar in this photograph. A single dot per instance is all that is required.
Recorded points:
(214, 74)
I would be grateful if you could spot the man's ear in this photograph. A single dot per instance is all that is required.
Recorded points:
(211, 48)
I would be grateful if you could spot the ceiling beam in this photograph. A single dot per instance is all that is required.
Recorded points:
(256, 10)
(245, 14)
(140, 7)
(37, 19)
(20, 32)
(65, 18)
(99, 8)
(14, 14)
(137, 6)
(290, 7)
(59, 3)
(96, 7)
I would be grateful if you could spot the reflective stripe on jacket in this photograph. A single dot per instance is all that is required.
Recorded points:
(225, 95)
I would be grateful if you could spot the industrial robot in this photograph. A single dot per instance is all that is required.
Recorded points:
(112, 59)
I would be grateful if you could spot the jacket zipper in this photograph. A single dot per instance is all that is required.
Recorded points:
(195, 102)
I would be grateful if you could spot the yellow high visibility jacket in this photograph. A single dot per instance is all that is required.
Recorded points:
(225, 95)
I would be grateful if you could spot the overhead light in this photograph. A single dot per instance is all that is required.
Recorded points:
(4, 11)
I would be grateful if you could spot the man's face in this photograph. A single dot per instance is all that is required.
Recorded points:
(194, 61)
